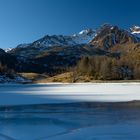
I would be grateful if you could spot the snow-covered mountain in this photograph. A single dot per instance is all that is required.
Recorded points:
(83, 37)
(107, 35)
(54, 54)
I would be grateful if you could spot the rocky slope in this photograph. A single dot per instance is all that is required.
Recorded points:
(109, 36)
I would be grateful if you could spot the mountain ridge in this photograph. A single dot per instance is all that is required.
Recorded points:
(58, 53)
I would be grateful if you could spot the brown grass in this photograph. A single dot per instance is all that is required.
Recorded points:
(67, 78)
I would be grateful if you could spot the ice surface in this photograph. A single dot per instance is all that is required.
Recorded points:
(67, 93)
(70, 122)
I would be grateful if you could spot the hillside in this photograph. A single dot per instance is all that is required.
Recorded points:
(108, 53)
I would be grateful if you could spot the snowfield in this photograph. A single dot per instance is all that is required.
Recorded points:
(16, 94)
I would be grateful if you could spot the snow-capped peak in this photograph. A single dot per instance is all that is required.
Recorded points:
(86, 32)
(84, 36)
(135, 30)
(8, 49)
(136, 27)
(83, 32)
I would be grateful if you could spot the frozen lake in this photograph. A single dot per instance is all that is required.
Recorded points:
(80, 121)
(75, 116)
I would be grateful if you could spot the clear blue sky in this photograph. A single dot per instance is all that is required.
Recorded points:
(23, 21)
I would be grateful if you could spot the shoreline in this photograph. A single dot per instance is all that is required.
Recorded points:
(76, 83)
(126, 104)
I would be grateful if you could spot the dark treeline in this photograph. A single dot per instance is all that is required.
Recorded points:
(7, 64)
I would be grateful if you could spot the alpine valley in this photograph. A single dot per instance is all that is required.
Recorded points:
(107, 53)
